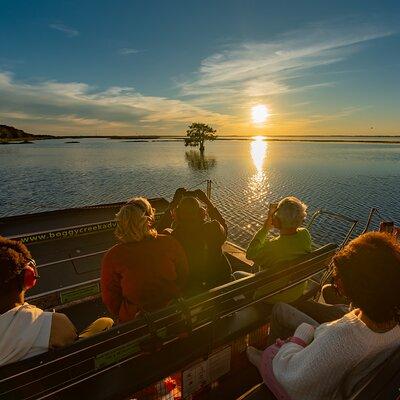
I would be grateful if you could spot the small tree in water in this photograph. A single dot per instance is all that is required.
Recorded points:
(198, 133)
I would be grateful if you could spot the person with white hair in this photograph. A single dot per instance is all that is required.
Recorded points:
(145, 271)
(269, 251)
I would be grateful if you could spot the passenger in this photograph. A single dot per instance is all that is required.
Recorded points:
(336, 305)
(25, 330)
(146, 270)
(270, 251)
(327, 361)
(167, 219)
(202, 231)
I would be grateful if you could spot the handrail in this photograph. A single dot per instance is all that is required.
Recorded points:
(328, 272)
(372, 212)
(71, 259)
(138, 327)
(91, 255)
(91, 281)
(64, 288)
(337, 216)
(332, 214)
(265, 297)
(369, 220)
(259, 279)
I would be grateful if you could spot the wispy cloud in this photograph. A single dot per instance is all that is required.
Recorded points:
(220, 92)
(126, 51)
(67, 30)
(276, 67)
(55, 107)
(342, 113)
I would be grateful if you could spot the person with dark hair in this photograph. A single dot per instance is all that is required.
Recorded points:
(327, 361)
(145, 271)
(201, 230)
(26, 330)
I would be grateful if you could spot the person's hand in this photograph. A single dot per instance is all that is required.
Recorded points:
(271, 211)
(178, 196)
(267, 225)
(201, 196)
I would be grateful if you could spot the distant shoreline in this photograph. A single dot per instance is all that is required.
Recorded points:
(12, 135)
(288, 139)
(374, 139)
(225, 137)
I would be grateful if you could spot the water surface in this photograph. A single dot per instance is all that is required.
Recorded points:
(345, 177)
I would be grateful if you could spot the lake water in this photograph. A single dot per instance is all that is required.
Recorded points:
(345, 177)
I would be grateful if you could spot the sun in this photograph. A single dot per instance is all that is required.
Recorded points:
(259, 114)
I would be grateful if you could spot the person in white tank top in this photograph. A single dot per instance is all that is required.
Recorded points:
(25, 330)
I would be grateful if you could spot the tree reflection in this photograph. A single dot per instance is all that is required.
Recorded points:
(198, 161)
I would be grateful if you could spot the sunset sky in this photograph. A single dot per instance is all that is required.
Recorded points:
(153, 67)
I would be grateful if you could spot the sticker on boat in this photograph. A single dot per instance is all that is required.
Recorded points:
(201, 374)
(117, 354)
(79, 293)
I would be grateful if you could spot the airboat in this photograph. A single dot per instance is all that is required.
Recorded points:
(194, 348)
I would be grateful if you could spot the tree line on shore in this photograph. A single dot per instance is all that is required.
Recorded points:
(9, 133)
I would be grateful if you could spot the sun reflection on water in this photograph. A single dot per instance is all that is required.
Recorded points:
(258, 150)
(258, 186)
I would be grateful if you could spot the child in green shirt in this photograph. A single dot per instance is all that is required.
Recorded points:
(269, 251)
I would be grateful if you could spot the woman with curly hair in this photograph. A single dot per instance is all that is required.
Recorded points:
(327, 361)
(145, 270)
(26, 330)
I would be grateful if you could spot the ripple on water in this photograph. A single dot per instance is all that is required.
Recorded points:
(247, 176)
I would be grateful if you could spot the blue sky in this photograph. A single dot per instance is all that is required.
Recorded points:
(152, 67)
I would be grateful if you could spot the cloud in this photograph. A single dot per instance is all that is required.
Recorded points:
(276, 67)
(68, 31)
(125, 51)
(342, 113)
(220, 92)
(56, 107)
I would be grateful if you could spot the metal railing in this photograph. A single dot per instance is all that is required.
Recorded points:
(353, 222)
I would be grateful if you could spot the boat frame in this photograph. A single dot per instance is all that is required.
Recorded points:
(179, 338)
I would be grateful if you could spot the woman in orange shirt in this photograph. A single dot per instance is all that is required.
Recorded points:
(145, 270)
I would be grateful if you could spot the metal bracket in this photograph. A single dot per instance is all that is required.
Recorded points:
(186, 314)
